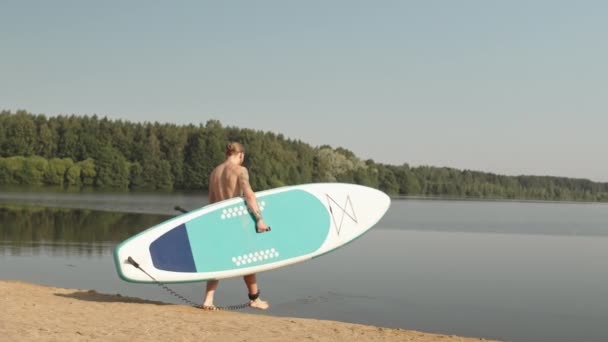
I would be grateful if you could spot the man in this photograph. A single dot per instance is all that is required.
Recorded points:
(230, 179)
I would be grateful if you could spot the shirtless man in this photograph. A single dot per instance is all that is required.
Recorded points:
(230, 179)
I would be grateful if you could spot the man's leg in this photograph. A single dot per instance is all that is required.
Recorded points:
(211, 286)
(252, 287)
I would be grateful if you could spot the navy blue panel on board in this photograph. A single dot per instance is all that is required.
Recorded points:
(171, 251)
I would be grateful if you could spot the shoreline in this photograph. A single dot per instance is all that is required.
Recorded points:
(45, 313)
(49, 189)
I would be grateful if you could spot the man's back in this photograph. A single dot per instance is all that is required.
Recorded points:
(223, 182)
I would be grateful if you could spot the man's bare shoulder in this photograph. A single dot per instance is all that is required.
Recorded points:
(242, 172)
(243, 177)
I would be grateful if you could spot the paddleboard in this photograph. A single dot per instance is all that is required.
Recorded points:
(220, 240)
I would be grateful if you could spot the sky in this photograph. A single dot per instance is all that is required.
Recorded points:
(510, 87)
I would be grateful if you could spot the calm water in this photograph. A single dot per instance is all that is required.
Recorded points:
(507, 270)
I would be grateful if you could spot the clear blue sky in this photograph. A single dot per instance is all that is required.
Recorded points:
(512, 87)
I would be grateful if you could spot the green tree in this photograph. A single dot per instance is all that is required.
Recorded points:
(305, 162)
(407, 181)
(19, 135)
(13, 170)
(388, 182)
(72, 175)
(47, 142)
(68, 132)
(112, 169)
(156, 173)
(33, 170)
(195, 161)
(6, 176)
(136, 179)
(215, 146)
(172, 143)
(56, 172)
(88, 139)
(88, 172)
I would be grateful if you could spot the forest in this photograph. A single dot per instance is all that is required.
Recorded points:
(88, 151)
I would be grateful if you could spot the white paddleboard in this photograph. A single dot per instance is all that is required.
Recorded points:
(220, 240)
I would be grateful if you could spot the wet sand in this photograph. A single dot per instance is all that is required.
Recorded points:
(31, 312)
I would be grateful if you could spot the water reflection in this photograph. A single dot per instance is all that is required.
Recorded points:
(54, 231)
(512, 271)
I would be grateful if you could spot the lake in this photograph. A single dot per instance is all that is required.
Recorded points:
(516, 271)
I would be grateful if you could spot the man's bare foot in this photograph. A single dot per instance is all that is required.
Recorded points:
(259, 304)
(208, 306)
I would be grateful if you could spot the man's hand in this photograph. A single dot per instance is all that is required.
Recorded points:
(261, 227)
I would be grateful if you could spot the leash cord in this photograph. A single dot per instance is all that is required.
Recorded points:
(184, 299)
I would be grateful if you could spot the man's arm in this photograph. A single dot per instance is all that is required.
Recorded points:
(252, 202)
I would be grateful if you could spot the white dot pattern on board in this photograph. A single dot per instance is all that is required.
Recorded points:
(239, 210)
(255, 257)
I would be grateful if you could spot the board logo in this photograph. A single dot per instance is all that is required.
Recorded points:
(342, 211)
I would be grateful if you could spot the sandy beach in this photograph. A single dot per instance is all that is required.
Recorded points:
(41, 313)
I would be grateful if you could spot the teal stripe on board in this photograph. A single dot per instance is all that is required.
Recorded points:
(225, 239)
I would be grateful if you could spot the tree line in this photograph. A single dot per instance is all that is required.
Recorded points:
(89, 151)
